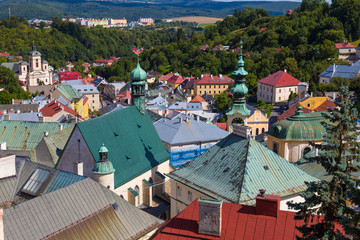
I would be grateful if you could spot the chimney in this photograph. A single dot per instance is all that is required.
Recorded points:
(2, 235)
(79, 168)
(3, 146)
(197, 118)
(316, 152)
(6, 117)
(180, 119)
(46, 134)
(267, 205)
(241, 130)
(285, 70)
(60, 127)
(7, 166)
(187, 119)
(209, 216)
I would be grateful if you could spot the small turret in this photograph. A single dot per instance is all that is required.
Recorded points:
(138, 76)
(103, 170)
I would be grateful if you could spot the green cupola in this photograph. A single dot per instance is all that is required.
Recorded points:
(238, 112)
(138, 77)
(103, 166)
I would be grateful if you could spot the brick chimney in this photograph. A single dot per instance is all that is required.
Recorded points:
(267, 205)
(210, 216)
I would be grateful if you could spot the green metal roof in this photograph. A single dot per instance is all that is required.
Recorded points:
(133, 143)
(103, 149)
(69, 92)
(236, 168)
(25, 136)
(103, 168)
(49, 152)
(300, 127)
(313, 168)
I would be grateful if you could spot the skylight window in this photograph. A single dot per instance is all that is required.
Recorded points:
(36, 181)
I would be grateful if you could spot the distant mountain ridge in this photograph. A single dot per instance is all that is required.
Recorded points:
(132, 10)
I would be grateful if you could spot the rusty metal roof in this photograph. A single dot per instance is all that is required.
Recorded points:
(83, 210)
(236, 168)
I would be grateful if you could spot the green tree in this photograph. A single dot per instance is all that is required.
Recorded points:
(222, 102)
(338, 155)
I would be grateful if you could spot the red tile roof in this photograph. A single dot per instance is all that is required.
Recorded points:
(124, 95)
(221, 125)
(203, 48)
(55, 107)
(262, 29)
(344, 45)
(176, 79)
(291, 111)
(238, 222)
(209, 79)
(4, 54)
(69, 75)
(166, 77)
(280, 79)
(198, 98)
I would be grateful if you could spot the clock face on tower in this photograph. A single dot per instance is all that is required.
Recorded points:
(237, 121)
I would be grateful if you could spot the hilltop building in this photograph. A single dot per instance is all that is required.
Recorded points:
(345, 71)
(34, 72)
(121, 149)
(235, 168)
(277, 87)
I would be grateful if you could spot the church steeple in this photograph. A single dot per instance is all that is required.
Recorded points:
(238, 112)
(138, 76)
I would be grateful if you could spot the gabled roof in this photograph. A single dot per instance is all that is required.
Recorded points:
(236, 168)
(166, 77)
(53, 145)
(344, 45)
(133, 143)
(25, 136)
(55, 107)
(79, 211)
(69, 92)
(238, 222)
(186, 132)
(198, 98)
(10, 188)
(176, 79)
(345, 71)
(280, 79)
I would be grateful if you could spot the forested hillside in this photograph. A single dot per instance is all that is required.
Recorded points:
(301, 42)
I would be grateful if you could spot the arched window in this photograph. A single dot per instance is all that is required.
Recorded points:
(276, 147)
(257, 131)
(121, 196)
(137, 189)
(306, 150)
(262, 130)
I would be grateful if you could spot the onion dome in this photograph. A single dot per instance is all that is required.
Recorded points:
(138, 74)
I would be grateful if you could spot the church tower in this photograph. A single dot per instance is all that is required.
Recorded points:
(103, 170)
(238, 112)
(138, 76)
(34, 60)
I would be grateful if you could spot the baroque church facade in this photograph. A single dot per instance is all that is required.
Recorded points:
(33, 73)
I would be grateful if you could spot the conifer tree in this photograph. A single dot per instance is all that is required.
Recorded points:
(338, 155)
